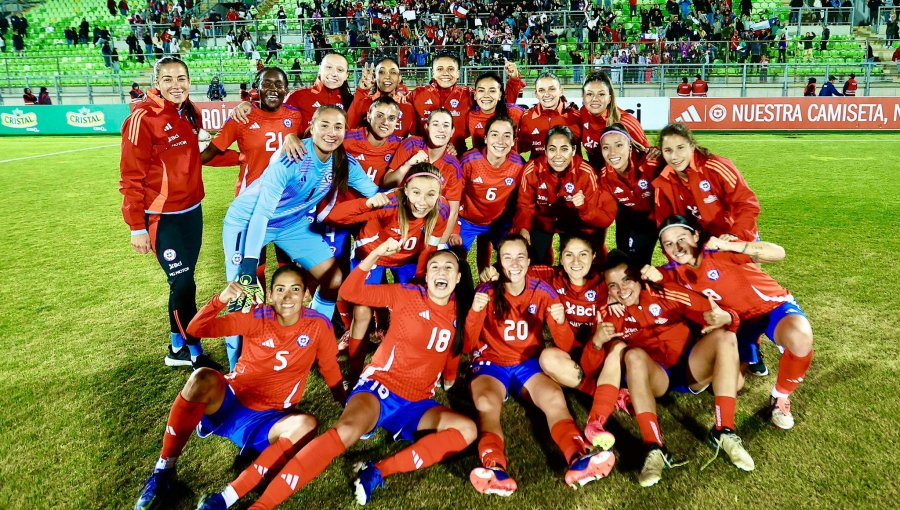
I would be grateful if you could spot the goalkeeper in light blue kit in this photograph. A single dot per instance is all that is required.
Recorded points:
(274, 209)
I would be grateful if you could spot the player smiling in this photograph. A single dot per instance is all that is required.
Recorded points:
(489, 102)
(382, 80)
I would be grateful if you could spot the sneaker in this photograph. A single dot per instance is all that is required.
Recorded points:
(780, 408)
(204, 361)
(182, 358)
(492, 481)
(658, 460)
(155, 488)
(759, 369)
(212, 502)
(367, 480)
(623, 402)
(598, 436)
(590, 467)
(729, 442)
(344, 342)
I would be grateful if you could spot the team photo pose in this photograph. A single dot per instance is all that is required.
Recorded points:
(729, 273)
(599, 111)
(374, 142)
(382, 80)
(396, 389)
(504, 331)
(559, 194)
(251, 405)
(550, 111)
(489, 102)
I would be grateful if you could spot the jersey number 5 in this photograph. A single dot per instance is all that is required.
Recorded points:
(282, 360)
(273, 141)
(515, 330)
(440, 339)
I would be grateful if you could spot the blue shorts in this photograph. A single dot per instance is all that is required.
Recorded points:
(338, 239)
(306, 248)
(513, 377)
(402, 274)
(750, 331)
(398, 416)
(679, 375)
(245, 427)
(469, 231)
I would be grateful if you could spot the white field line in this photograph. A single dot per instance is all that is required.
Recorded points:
(58, 153)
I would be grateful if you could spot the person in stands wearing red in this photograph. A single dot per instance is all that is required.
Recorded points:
(551, 110)
(850, 86)
(729, 272)
(396, 389)
(559, 193)
(599, 112)
(445, 92)
(28, 98)
(490, 101)
(374, 143)
(699, 88)
(684, 88)
(504, 331)
(698, 183)
(384, 80)
(252, 405)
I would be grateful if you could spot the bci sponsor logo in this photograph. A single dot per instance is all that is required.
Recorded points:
(18, 119)
(85, 118)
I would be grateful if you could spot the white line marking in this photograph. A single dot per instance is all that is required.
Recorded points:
(58, 153)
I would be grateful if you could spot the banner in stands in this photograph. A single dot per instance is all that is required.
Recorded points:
(763, 113)
(62, 119)
(652, 112)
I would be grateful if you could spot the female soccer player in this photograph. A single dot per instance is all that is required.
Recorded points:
(600, 111)
(560, 194)
(665, 354)
(274, 209)
(504, 330)
(250, 406)
(162, 186)
(729, 272)
(395, 390)
(374, 143)
(384, 80)
(490, 102)
(626, 175)
(490, 177)
(411, 214)
(697, 183)
(551, 110)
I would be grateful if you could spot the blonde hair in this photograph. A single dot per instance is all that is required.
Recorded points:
(417, 170)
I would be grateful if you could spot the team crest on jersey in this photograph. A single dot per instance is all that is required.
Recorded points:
(288, 123)
(713, 274)
(509, 181)
(387, 157)
(655, 310)
(590, 295)
(169, 255)
(532, 309)
(570, 187)
(705, 186)
(454, 103)
(643, 184)
(236, 258)
(303, 340)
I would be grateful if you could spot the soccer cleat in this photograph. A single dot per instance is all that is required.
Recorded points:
(492, 481)
(598, 436)
(159, 483)
(367, 480)
(344, 342)
(658, 460)
(182, 358)
(204, 361)
(780, 408)
(212, 502)
(623, 402)
(590, 467)
(729, 442)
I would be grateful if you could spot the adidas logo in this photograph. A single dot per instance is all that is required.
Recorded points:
(543, 185)
(170, 430)
(395, 230)
(429, 102)
(168, 127)
(478, 180)
(316, 104)
(262, 470)
(255, 125)
(291, 480)
(689, 115)
(535, 132)
(269, 343)
(417, 460)
(361, 157)
(425, 315)
(479, 126)
(618, 190)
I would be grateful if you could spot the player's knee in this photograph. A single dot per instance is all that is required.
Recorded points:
(489, 404)
(550, 399)
(466, 428)
(635, 360)
(726, 343)
(362, 314)
(203, 383)
(333, 279)
(300, 426)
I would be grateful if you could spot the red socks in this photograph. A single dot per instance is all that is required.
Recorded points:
(491, 450)
(300, 470)
(649, 428)
(272, 457)
(568, 438)
(356, 356)
(425, 452)
(725, 412)
(183, 419)
(345, 310)
(604, 402)
(791, 371)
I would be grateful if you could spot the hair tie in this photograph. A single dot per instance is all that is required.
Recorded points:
(410, 177)
(618, 132)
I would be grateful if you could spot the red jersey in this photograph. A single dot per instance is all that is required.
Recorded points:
(545, 199)
(160, 165)
(374, 160)
(307, 100)
(733, 280)
(632, 191)
(418, 344)
(715, 193)
(699, 88)
(487, 190)
(257, 140)
(850, 87)
(582, 302)
(477, 122)
(275, 360)
(519, 336)
(451, 170)
(362, 100)
(658, 324)
(536, 122)
(592, 127)
(684, 90)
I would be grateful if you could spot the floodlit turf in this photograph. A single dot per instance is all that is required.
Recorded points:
(84, 393)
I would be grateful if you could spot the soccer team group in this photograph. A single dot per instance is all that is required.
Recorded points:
(350, 186)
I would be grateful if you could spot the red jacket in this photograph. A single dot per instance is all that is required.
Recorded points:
(715, 193)
(536, 122)
(545, 199)
(160, 165)
(633, 191)
(699, 88)
(592, 127)
(308, 99)
(684, 90)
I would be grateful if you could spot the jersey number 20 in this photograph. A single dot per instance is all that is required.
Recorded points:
(515, 330)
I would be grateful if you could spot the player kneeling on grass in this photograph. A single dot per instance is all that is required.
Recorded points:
(251, 405)
(505, 331)
(664, 354)
(395, 390)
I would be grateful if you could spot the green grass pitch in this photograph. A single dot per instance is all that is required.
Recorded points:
(84, 393)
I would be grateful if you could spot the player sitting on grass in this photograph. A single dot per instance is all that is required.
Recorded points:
(251, 406)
